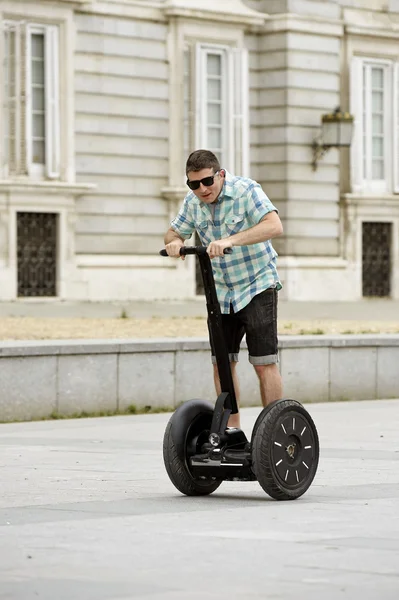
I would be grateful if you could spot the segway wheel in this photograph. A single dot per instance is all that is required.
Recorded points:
(285, 450)
(187, 430)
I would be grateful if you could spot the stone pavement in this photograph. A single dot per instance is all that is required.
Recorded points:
(87, 513)
(378, 309)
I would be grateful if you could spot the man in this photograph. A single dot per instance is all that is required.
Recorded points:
(228, 212)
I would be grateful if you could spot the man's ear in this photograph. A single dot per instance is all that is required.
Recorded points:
(223, 172)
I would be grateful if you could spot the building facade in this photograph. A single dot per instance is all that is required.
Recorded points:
(102, 101)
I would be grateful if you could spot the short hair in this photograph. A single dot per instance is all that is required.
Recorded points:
(202, 159)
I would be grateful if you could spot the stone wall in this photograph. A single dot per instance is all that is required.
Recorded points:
(40, 379)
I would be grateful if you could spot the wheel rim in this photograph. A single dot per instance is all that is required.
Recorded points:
(294, 449)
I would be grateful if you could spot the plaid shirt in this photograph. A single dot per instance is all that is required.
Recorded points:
(250, 269)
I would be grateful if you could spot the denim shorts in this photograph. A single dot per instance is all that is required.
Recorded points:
(258, 321)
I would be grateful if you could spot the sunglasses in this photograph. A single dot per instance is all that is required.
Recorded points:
(206, 181)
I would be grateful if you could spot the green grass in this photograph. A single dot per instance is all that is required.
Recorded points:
(312, 332)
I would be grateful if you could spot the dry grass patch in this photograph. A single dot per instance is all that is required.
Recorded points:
(28, 328)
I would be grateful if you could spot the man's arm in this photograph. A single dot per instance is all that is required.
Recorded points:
(173, 243)
(171, 235)
(268, 228)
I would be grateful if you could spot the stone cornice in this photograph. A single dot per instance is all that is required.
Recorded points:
(45, 187)
(226, 11)
(367, 199)
(371, 23)
(370, 32)
(232, 12)
(304, 24)
(130, 9)
(174, 194)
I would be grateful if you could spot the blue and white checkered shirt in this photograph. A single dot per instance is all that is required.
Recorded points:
(250, 269)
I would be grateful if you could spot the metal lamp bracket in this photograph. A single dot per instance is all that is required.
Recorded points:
(319, 150)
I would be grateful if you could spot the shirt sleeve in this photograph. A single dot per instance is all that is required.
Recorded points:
(258, 204)
(183, 223)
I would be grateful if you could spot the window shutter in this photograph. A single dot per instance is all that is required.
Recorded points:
(239, 110)
(9, 45)
(27, 109)
(189, 144)
(23, 144)
(356, 109)
(15, 158)
(395, 166)
(52, 103)
(200, 79)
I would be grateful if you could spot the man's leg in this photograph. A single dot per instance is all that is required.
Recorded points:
(270, 381)
(260, 320)
(234, 420)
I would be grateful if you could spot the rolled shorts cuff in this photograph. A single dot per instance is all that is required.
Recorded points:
(271, 359)
(232, 358)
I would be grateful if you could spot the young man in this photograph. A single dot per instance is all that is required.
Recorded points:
(228, 212)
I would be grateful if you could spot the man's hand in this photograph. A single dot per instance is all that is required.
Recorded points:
(173, 248)
(216, 248)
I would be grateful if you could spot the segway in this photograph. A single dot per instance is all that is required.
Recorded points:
(200, 451)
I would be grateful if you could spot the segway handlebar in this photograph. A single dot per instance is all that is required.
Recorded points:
(184, 250)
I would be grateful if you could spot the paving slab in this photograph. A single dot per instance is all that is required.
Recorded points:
(87, 512)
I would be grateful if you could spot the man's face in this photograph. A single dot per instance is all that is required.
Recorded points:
(207, 193)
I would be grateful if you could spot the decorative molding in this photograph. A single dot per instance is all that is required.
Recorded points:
(174, 197)
(72, 3)
(36, 10)
(370, 32)
(44, 187)
(304, 24)
(226, 11)
(129, 9)
(371, 23)
(378, 200)
(174, 194)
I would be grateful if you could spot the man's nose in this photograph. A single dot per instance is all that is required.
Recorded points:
(203, 188)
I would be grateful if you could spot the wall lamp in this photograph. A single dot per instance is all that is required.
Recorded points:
(336, 132)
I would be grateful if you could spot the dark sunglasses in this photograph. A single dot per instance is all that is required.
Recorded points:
(206, 181)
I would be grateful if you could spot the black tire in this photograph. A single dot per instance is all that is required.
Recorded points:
(285, 450)
(187, 430)
(260, 418)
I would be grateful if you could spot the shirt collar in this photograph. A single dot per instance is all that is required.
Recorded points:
(227, 189)
(226, 192)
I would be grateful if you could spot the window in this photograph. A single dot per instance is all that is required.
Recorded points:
(31, 100)
(376, 258)
(216, 104)
(374, 168)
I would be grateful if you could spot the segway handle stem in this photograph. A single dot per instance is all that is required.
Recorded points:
(198, 250)
(228, 399)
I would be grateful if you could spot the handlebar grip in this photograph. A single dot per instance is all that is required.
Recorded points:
(184, 250)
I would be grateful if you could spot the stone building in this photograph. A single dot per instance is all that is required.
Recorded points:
(101, 102)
